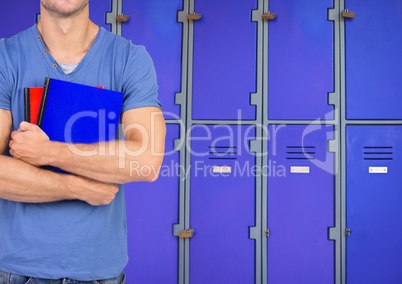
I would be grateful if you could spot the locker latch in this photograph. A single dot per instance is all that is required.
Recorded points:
(194, 17)
(267, 233)
(122, 18)
(348, 232)
(348, 14)
(186, 234)
(269, 16)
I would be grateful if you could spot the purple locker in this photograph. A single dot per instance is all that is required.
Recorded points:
(300, 205)
(153, 23)
(300, 60)
(152, 210)
(373, 60)
(222, 205)
(373, 204)
(98, 10)
(225, 64)
(17, 16)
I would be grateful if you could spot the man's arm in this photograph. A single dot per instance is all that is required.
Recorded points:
(5, 129)
(23, 182)
(137, 158)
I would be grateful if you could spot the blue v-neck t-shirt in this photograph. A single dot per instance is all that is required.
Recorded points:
(69, 239)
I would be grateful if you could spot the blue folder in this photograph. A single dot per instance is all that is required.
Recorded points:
(76, 113)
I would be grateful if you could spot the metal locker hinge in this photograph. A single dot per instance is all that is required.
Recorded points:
(348, 232)
(194, 17)
(269, 16)
(186, 234)
(122, 18)
(348, 14)
(267, 233)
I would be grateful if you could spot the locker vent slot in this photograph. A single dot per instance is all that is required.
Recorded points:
(378, 153)
(300, 153)
(222, 153)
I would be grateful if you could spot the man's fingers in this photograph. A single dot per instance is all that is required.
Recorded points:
(26, 126)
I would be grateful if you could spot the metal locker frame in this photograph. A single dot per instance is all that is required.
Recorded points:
(334, 145)
(180, 99)
(187, 16)
(343, 15)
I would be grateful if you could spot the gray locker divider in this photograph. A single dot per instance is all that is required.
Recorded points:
(264, 181)
(117, 9)
(343, 141)
(256, 146)
(335, 145)
(184, 98)
(181, 99)
(177, 228)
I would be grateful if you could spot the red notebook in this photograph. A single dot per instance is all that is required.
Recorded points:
(33, 99)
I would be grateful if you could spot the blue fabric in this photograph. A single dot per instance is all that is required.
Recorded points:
(69, 239)
(9, 278)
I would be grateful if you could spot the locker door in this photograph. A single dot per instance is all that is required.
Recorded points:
(17, 16)
(222, 205)
(152, 210)
(373, 204)
(225, 67)
(98, 10)
(373, 60)
(300, 59)
(153, 23)
(300, 205)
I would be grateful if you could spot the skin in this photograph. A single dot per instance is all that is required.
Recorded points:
(96, 168)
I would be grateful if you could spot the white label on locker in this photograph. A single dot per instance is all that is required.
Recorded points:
(299, 170)
(378, 170)
(221, 170)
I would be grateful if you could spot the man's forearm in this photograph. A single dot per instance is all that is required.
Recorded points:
(22, 182)
(137, 158)
(113, 162)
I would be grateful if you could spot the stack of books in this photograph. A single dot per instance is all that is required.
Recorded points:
(74, 113)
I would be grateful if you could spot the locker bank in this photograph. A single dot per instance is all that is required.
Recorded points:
(284, 137)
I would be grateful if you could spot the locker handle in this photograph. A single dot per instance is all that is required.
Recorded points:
(348, 232)
(186, 234)
(348, 14)
(269, 16)
(194, 17)
(122, 18)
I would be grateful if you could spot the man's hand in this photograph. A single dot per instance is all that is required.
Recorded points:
(93, 192)
(29, 144)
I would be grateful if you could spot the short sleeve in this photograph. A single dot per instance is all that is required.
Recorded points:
(5, 95)
(139, 80)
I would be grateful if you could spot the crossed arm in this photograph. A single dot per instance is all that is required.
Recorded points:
(95, 168)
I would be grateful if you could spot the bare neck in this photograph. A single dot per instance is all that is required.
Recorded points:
(67, 40)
